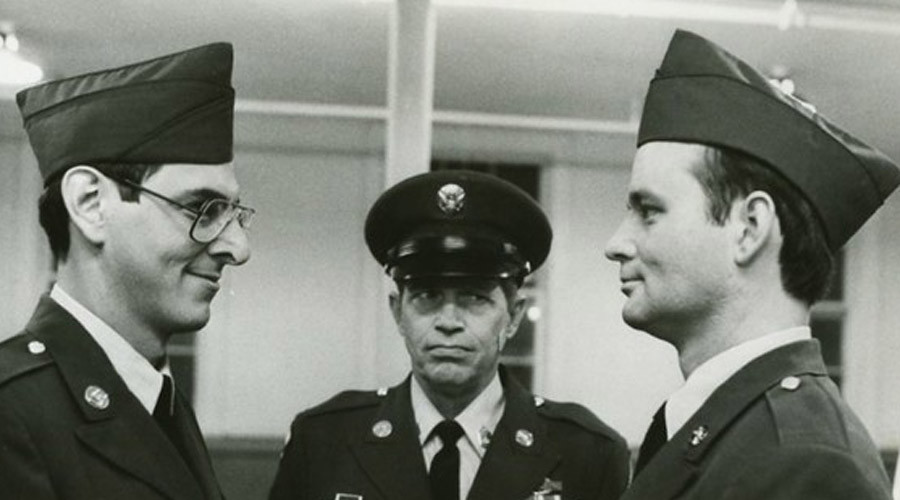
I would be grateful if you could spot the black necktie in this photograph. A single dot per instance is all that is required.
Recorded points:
(444, 474)
(165, 415)
(655, 438)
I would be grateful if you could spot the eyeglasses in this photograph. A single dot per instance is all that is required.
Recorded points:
(210, 219)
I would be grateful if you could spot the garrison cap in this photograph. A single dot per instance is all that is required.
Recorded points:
(457, 223)
(703, 94)
(177, 108)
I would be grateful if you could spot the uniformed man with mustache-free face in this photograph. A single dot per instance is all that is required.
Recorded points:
(141, 210)
(739, 199)
(458, 246)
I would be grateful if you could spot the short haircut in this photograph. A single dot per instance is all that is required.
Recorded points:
(52, 211)
(806, 262)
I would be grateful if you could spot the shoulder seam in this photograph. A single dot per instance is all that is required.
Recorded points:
(16, 360)
(344, 401)
(578, 415)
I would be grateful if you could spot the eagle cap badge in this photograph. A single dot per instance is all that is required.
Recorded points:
(451, 198)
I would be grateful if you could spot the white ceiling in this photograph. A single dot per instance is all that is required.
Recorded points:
(494, 60)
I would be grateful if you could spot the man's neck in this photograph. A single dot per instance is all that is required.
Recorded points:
(94, 296)
(749, 322)
(451, 401)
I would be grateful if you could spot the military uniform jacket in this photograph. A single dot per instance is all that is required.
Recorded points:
(777, 429)
(342, 447)
(62, 438)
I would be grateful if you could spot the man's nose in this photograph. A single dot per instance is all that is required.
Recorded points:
(448, 319)
(233, 244)
(620, 247)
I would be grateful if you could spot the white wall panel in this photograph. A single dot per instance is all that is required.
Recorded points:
(291, 327)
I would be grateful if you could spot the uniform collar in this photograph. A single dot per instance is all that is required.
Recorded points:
(714, 372)
(478, 420)
(141, 378)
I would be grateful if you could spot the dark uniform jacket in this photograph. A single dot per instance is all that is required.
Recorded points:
(777, 429)
(58, 441)
(341, 447)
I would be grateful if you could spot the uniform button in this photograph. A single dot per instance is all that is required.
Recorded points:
(96, 397)
(539, 401)
(524, 438)
(382, 429)
(36, 347)
(790, 383)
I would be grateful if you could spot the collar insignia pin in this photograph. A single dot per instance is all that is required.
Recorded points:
(382, 429)
(698, 435)
(96, 397)
(524, 438)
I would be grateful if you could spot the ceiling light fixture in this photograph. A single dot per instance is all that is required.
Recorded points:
(14, 70)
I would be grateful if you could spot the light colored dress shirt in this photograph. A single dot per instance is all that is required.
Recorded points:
(141, 378)
(709, 376)
(478, 421)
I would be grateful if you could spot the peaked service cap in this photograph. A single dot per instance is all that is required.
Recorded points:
(457, 223)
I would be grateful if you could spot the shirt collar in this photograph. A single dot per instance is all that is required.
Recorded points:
(717, 370)
(141, 378)
(478, 420)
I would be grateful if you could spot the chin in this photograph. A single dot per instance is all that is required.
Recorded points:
(633, 318)
(447, 376)
(190, 322)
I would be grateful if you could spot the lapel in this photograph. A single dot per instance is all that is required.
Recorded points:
(679, 462)
(122, 432)
(510, 468)
(198, 456)
(394, 462)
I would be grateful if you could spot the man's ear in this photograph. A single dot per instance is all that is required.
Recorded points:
(83, 189)
(757, 226)
(394, 303)
(516, 313)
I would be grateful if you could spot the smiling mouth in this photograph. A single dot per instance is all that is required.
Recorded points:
(211, 278)
(628, 285)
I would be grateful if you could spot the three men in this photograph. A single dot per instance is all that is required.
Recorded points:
(458, 245)
(740, 196)
(140, 208)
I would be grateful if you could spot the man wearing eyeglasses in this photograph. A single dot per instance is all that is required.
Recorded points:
(141, 210)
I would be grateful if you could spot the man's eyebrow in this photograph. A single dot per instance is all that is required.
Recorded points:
(644, 194)
(206, 194)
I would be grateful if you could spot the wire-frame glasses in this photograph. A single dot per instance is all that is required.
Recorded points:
(210, 219)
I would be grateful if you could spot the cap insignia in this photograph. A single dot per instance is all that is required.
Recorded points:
(451, 199)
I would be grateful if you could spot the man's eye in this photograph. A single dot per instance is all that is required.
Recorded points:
(646, 211)
(475, 298)
(425, 296)
(195, 205)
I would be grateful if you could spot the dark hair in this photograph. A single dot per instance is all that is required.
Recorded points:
(52, 211)
(806, 261)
